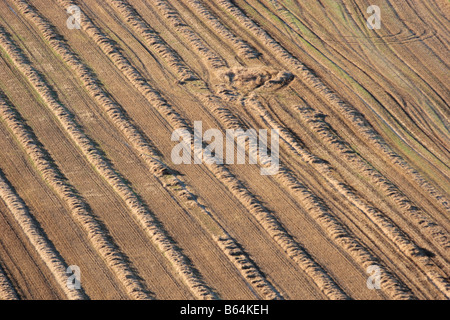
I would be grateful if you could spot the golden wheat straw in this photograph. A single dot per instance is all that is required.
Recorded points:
(237, 188)
(37, 237)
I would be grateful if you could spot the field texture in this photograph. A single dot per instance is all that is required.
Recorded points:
(92, 92)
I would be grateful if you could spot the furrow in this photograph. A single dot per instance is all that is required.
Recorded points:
(35, 234)
(401, 239)
(197, 43)
(267, 220)
(314, 120)
(386, 226)
(97, 233)
(350, 114)
(153, 40)
(316, 207)
(276, 230)
(249, 270)
(423, 221)
(239, 45)
(7, 291)
(146, 150)
(396, 110)
(233, 251)
(95, 156)
(93, 86)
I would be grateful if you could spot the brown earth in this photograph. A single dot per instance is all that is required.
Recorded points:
(86, 170)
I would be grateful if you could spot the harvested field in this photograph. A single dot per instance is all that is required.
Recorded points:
(224, 149)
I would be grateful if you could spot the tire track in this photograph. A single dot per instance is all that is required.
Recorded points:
(400, 239)
(7, 291)
(146, 219)
(96, 232)
(153, 40)
(213, 59)
(315, 206)
(94, 155)
(314, 120)
(422, 81)
(149, 153)
(400, 116)
(338, 232)
(362, 205)
(267, 220)
(405, 204)
(350, 114)
(240, 46)
(35, 234)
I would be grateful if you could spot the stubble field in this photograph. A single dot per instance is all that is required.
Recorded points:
(88, 177)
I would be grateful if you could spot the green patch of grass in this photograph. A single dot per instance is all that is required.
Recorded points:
(412, 155)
